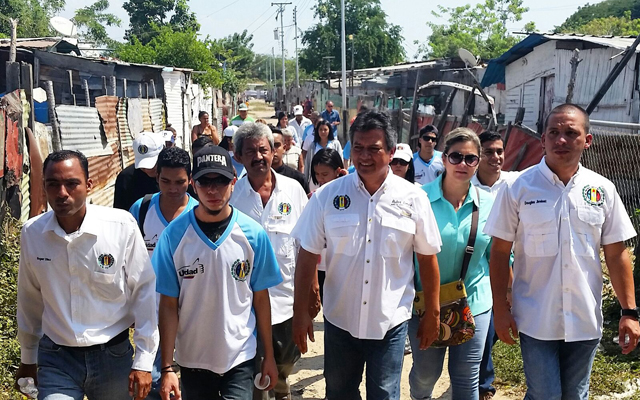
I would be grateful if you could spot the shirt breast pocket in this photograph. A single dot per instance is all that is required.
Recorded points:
(281, 241)
(106, 286)
(540, 232)
(587, 224)
(396, 234)
(340, 231)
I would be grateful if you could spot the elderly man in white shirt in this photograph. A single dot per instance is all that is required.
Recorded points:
(299, 123)
(556, 215)
(275, 202)
(372, 222)
(85, 277)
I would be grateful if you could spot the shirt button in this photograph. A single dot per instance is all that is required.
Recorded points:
(368, 261)
(366, 282)
(370, 200)
(566, 265)
(368, 240)
(369, 219)
(365, 303)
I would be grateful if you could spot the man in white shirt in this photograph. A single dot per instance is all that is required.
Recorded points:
(372, 222)
(427, 161)
(556, 215)
(84, 279)
(299, 123)
(275, 202)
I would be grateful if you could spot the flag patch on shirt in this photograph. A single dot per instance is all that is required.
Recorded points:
(341, 202)
(593, 195)
(240, 270)
(105, 261)
(284, 208)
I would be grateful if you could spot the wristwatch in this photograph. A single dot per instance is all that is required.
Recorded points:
(630, 312)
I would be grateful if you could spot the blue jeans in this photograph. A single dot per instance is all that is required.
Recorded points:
(156, 376)
(235, 384)
(487, 373)
(557, 370)
(66, 373)
(464, 363)
(345, 357)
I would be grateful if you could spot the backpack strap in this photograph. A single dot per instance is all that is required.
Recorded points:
(472, 238)
(144, 208)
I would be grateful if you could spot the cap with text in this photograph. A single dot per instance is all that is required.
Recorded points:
(212, 160)
(403, 152)
(146, 148)
(297, 110)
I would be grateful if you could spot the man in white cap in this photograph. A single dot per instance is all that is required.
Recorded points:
(227, 144)
(139, 179)
(299, 124)
(243, 115)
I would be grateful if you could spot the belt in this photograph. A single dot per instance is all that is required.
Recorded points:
(118, 339)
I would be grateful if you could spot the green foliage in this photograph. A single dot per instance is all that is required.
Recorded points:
(33, 16)
(481, 29)
(616, 26)
(92, 21)
(9, 347)
(607, 8)
(237, 51)
(375, 41)
(146, 15)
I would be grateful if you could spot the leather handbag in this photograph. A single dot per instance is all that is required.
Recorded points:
(457, 325)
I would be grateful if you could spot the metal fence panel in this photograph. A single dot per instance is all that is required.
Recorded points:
(80, 130)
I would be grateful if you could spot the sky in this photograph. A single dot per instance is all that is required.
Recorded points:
(220, 18)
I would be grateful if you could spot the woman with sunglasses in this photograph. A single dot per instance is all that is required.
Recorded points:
(401, 164)
(452, 199)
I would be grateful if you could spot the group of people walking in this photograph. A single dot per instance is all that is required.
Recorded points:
(221, 276)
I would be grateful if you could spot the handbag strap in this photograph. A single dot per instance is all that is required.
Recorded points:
(468, 251)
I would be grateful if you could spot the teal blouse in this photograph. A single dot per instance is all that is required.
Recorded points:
(454, 230)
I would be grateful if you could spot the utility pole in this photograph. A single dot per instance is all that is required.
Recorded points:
(328, 58)
(345, 106)
(275, 74)
(281, 12)
(295, 23)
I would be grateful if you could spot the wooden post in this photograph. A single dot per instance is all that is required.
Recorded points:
(27, 84)
(507, 134)
(467, 107)
(73, 96)
(139, 90)
(104, 85)
(399, 126)
(124, 87)
(51, 100)
(574, 71)
(113, 87)
(86, 93)
(14, 40)
(146, 90)
(153, 87)
(414, 109)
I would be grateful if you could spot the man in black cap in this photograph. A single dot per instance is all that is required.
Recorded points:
(214, 265)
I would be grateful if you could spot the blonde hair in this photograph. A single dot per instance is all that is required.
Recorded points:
(461, 135)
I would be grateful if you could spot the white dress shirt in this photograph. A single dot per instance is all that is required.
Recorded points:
(299, 127)
(557, 232)
(504, 179)
(84, 288)
(277, 217)
(291, 157)
(370, 241)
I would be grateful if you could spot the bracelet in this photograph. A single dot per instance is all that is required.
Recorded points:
(166, 371)
(168, 367)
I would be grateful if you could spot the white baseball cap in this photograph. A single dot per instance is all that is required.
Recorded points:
(403, 152)
(297, 110)
(146, 148)
(168, 136)
(229, 131)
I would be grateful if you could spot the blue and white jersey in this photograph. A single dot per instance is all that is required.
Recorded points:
(154, 221)
(427, 172)
(214, 284)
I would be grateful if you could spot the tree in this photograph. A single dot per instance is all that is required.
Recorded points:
(144, 14)
(375, 41)
(481, 29)
(607, 8)
(607, 26)
(91, 21)
(238, 53)
(33, 16)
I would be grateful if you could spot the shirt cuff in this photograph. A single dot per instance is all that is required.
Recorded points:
(29, 355)
(143, 360)
(500, 234)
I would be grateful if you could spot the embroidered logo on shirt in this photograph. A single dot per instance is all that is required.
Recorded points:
(341, 202)
(284, 208)
(143, 149)
(240, 270)
(105, 261)
(43, 258)
(190, 271)
(593, 195)
(530, 202)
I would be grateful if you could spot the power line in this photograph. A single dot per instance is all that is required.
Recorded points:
(265, 21)
(256, 20)
(227, 6)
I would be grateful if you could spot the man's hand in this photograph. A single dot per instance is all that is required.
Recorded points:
(314, 300)
(429, 329)
(628, 327)
(302, 327)
(505, 325)
(26, 371)
(169, 384)
(139, 384)
(269, 369)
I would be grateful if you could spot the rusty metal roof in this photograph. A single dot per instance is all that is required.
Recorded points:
(80, 130)
(107, 106)
(146, 117)
(103, 170)
(156, 109)
(126, 141)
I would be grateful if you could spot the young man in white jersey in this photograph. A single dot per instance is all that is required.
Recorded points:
(427, 161)
(214, 265)
(153, 213)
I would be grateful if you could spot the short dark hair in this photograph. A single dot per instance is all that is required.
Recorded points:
(174, 157)
(428, 129)
(327, 156)
(63, 155)
(200, 142)
(567, 108)
(202, 113)
(489, 136)
(224, 142)
(274, 129)
(316, 134)
(373, 119)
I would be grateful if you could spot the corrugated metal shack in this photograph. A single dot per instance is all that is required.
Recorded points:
(91, 98)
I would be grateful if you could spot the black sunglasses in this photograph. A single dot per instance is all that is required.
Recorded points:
(397, 161)
(429, 138)
(456, 158)
(213, 183)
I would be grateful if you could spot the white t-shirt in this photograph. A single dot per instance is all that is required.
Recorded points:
(292, 156)
(504, 179)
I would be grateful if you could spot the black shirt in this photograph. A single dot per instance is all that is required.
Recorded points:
(293, 174)
(131, 185)
(213, 230)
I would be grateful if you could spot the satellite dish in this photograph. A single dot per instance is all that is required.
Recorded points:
(63, 26)
(468, 57)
